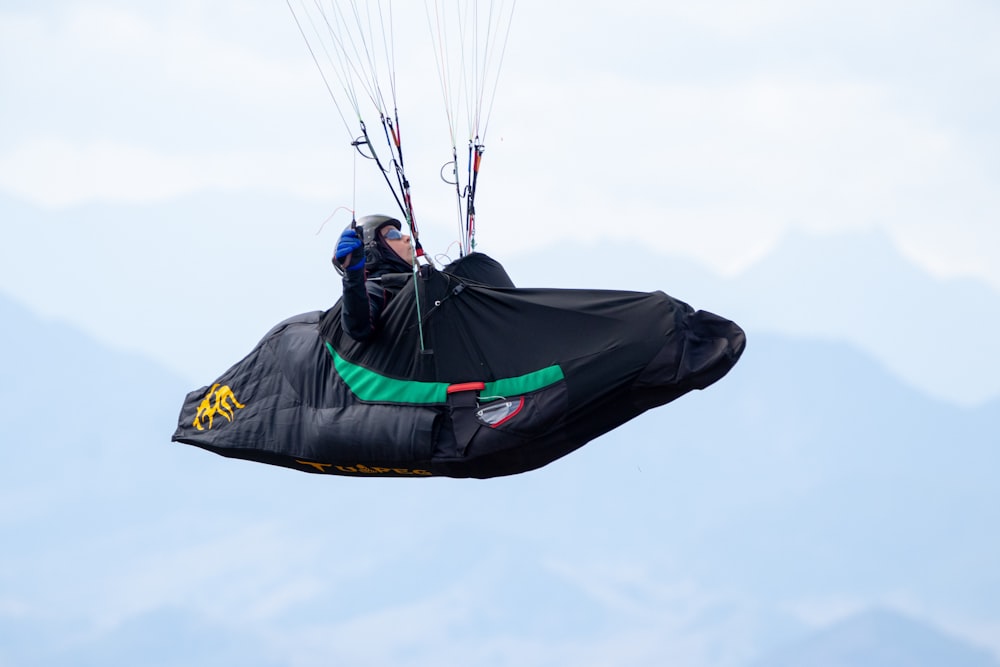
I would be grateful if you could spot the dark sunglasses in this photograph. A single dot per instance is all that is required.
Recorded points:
(392, 235)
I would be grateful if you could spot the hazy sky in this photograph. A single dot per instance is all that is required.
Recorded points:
(715, 119)
(165, 167)
(708, 130)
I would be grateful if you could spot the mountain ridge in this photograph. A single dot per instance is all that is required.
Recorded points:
(878, 637)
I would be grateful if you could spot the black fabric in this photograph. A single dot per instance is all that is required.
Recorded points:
(362, 305)
(620, 353)
(365, 297)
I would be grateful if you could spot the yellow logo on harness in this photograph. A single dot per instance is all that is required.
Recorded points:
(363, 469)
(220, 400)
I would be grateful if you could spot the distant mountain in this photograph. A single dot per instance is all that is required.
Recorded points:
(808, 473)
(856, 288)
(822, 474)
(879, 638)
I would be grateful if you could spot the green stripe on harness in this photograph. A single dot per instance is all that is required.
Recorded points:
(524, 384)
(373, 387)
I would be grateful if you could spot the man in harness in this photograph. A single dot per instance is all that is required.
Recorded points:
(362, 259)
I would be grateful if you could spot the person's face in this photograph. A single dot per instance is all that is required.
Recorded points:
(399, 242)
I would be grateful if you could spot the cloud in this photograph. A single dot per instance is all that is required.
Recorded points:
(54, 173)
(725, 168)
(719, 129)
(723, 164)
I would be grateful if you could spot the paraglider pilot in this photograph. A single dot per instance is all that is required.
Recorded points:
(380, 248)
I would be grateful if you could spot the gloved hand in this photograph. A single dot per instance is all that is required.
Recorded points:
(350, 249)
